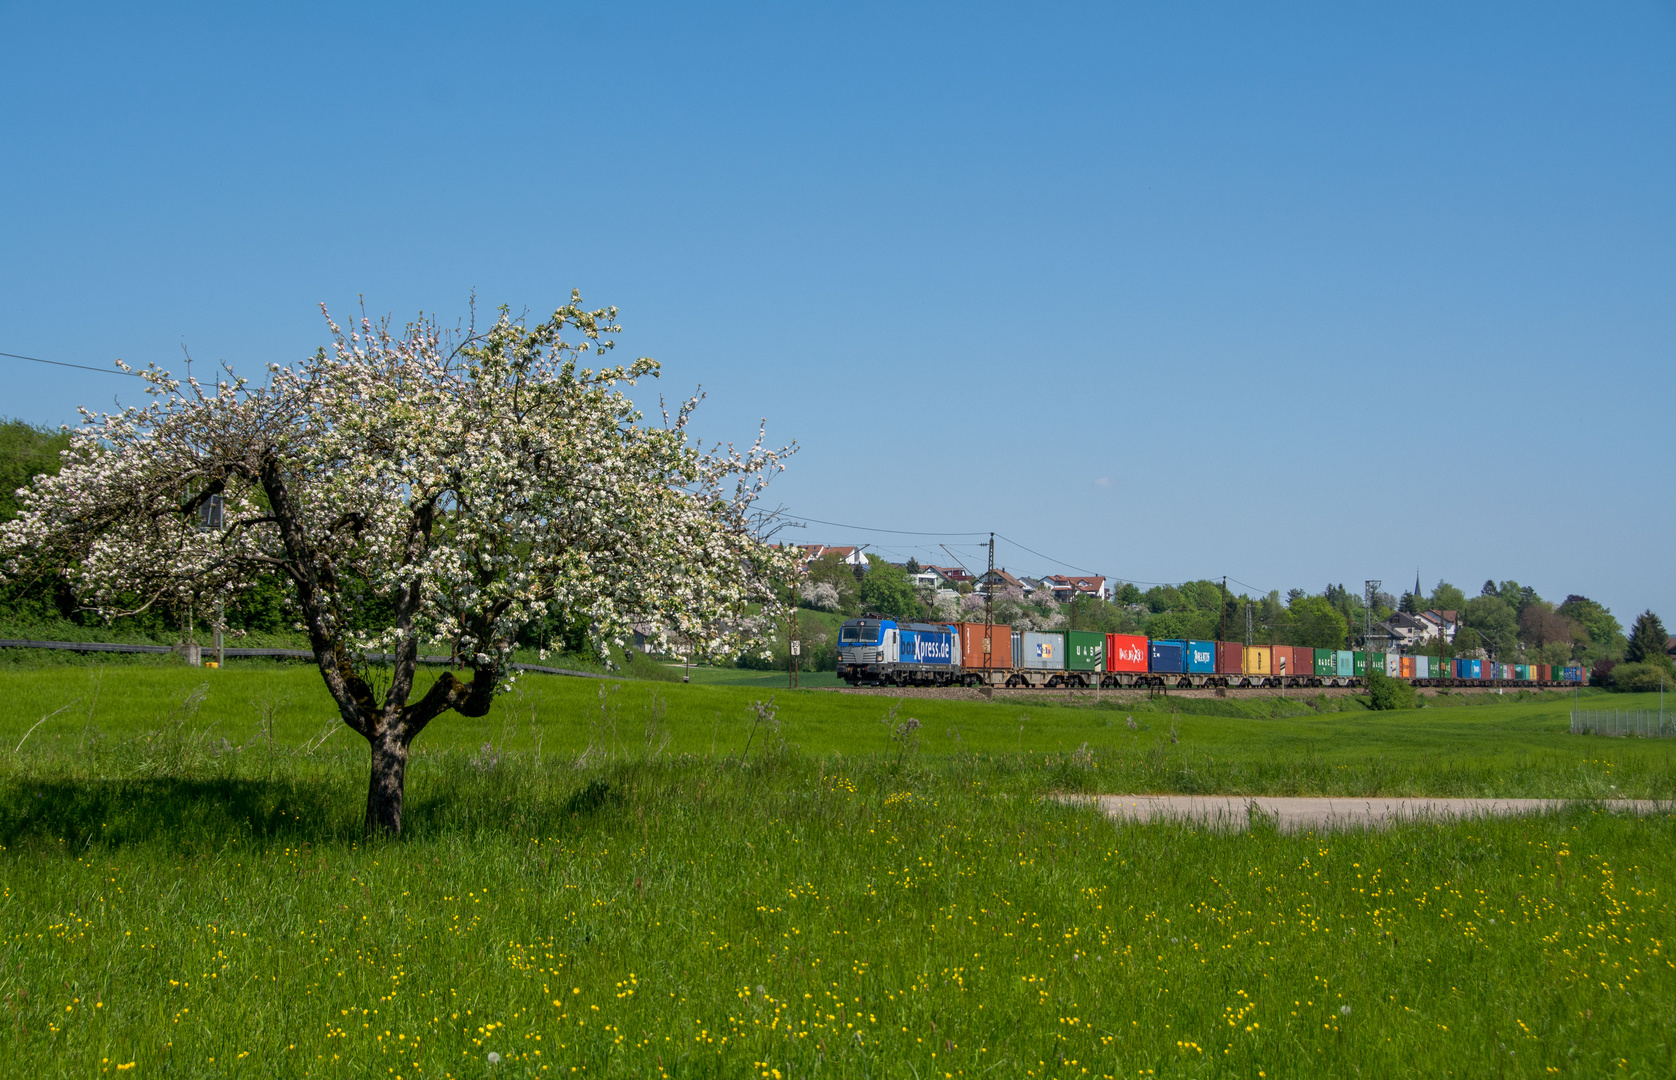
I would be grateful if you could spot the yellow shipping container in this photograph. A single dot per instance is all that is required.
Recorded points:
(1257, 660)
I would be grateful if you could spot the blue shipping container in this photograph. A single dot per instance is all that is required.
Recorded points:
(926, 647)
(1201, 657)
(1167, 656)
(1469, 669)
(1573, 674)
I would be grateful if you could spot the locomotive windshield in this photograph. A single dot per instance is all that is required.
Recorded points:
(859, 633)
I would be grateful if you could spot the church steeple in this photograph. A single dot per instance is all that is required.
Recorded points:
(1417, 593)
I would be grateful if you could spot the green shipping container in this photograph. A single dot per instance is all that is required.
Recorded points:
(1084, 651)
(1376, 662)
(1359, 664)
(1326, 663)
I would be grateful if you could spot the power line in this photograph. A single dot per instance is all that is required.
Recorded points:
(61, 363)
(899, 532)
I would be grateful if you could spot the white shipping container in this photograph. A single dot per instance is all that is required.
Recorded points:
(1044, 652)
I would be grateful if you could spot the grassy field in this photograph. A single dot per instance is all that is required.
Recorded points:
(616, 878)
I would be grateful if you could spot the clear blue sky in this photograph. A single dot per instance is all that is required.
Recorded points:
(1297, 293)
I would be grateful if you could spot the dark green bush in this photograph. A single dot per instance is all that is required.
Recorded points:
(1385, 692)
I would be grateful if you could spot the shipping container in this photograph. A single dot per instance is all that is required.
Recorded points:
(1358, 663)
(1544, 673)
(1085, 651)
(1376, 662)
(1169, 657)
(1125, 652)
(1405, 667)
(1522, 672)
(1201, 657)
(1230, 659)
(1323, 663)
(1393, 664)
(972, 651)
(1422, 667)
(1256, 660)
(1303, 660)
(1469, 669)
(1346, 664)
(924, 643)
(1286, 661)
(1043, 651)
(1573, 674)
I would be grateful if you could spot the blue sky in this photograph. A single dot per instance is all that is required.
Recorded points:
(1291, 293)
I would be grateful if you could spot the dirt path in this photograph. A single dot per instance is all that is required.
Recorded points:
(1235, 812)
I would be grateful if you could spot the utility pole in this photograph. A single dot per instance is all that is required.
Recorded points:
(796, 646)
(1370, 591)
(989, 610)
(1248, 640)
(1222, 632)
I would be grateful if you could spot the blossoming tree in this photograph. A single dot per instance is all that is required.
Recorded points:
(461, 486)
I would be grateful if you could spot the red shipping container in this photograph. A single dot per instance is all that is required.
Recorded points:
(971, 646)
(1230, 658)
(1125, 652)
(1543, 672)
(1293, 661)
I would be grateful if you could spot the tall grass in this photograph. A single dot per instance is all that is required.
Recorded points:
(186, 893)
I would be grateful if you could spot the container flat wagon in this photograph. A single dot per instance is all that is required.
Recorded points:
(877, 651)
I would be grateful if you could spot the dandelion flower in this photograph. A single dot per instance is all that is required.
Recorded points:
(494, 1058)
(1344, 1010)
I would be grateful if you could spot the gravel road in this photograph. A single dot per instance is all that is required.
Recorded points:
(1235, 812)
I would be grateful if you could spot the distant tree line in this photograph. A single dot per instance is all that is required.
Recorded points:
(1506, 621)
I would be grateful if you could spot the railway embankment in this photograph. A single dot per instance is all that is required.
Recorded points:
(1125, 696)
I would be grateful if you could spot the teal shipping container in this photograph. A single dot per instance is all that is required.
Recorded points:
(1346, 663)
(1201, 657)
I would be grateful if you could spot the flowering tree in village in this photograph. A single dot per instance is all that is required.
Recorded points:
(458, 486)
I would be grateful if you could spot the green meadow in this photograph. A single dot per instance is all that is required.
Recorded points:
(644, 878)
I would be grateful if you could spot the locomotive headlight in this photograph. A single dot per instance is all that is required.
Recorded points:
(879, 656)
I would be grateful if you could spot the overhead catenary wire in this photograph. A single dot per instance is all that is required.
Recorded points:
(63, 363)
(998, 536)
(864, 528)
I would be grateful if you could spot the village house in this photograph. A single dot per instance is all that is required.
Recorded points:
(1066, 588)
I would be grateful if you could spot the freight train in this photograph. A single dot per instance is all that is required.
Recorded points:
(877, 651)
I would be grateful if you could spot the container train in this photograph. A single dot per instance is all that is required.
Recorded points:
(878, 651)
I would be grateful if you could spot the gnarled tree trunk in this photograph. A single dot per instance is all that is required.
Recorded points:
(386, 786)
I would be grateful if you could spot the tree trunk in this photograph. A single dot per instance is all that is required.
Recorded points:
(386, 785)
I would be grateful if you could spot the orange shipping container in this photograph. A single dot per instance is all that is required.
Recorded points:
(1405, 667)
(1257, 660)
(972, 653)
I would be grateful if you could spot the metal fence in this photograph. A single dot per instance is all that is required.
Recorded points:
(1643, 722)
